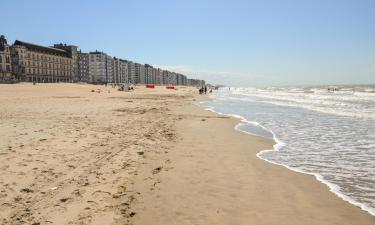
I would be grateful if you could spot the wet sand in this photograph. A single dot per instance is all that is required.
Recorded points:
(72, 156)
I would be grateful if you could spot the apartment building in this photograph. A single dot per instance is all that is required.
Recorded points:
(149, 78)
(100, 68)
(83, 67)
(120, 71)
(140, 73)
(38, 63)
(5, 59)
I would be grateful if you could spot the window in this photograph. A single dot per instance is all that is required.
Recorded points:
(7, 59)
(1, 59)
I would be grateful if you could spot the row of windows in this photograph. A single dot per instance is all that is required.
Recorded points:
(7, 69)
(7, 59)
(6, 49)
(48, 65)
(48, 72)
(48, 58)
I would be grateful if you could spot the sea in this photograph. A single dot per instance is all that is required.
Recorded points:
(326, 131)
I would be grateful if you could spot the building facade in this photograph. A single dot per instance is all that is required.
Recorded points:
(38, 63)
(140, 73)
(120, 71)
(195, 82)
(83, 67)
(63, 63)
(18, 56)
(5, 60)
(131, 71)
(100, 68)
(149, 74)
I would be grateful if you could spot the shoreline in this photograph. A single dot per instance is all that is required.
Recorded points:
(277, 146)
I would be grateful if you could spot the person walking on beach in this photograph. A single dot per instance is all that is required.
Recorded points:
(205, 89)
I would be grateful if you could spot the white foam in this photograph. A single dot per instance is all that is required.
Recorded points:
(345, 102)
(278, 146)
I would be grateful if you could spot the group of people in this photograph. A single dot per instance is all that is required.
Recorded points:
(203, 90)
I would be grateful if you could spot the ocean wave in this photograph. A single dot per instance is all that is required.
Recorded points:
(338, 104)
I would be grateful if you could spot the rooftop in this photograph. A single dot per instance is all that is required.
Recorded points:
(44, 49)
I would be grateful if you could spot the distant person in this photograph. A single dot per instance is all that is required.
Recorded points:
(205, 89)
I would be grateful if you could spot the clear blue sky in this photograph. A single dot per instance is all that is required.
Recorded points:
(237, 42)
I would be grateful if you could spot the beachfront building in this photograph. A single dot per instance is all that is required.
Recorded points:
(159, 76)
(149, 74)
(173, 78)
(181, 79)
(120, 71)
(164, 77)
(18, 56)
(131, 71)
(140, 73)
(63, 63)
(100, 68)
(155, 74)
(195, 82)
(83, 67)
(184, 80)
(38, 63)
(5, 59)
(125, 71)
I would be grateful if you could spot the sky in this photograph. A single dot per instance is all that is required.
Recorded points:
(236, 42)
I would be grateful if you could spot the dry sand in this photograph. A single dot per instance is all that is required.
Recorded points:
(148, 157)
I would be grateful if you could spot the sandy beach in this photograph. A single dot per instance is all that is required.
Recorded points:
(149, 157)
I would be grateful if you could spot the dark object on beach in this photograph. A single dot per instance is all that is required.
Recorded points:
(26, 190)
(64, 199)
(140, 153)
(34, 82)
(121, 88)
(150, 85)
(205, 89)
(156, 170)
(171, 87)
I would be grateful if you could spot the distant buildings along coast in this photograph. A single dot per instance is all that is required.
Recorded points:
(29, 62)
